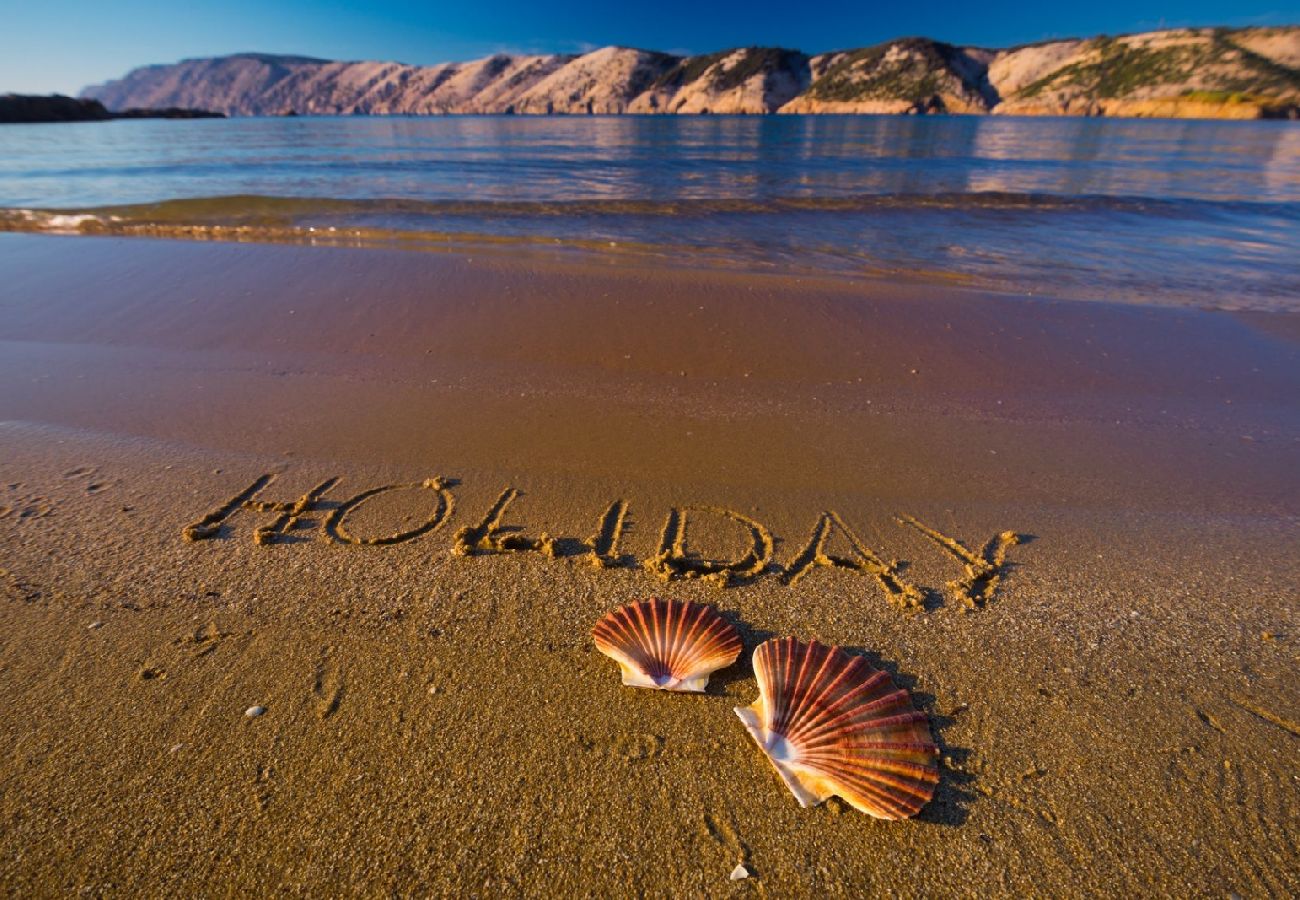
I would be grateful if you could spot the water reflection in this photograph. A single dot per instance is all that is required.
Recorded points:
(1200, 209)
(629, 157)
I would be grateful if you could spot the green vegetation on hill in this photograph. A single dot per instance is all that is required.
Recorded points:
(1119, 69)
(647, 74)
(754, 61)
(1266, 73)
(866, 75)
(1219, 97)
(690, 69)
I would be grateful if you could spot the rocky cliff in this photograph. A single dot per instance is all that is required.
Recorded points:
(1184, 72)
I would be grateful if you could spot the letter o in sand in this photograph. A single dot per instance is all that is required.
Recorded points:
(334, 524)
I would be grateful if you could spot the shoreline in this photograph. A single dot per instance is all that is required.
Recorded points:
(552, 252)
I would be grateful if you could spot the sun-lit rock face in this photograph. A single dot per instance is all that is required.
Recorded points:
(1206, 72)
(746, 80)
(603, 82)
(1181, 72)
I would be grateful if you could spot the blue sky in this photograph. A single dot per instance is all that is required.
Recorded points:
(63, 45)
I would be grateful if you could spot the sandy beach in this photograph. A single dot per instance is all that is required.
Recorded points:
(494, 446)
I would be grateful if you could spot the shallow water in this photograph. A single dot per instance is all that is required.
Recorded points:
(1198, 213)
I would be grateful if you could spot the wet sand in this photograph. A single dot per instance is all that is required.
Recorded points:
(1121, 716)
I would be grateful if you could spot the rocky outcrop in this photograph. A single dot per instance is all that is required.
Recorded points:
(54, 108)
(747, 80)
(1185, 72)
(25, 108)
(908, 75)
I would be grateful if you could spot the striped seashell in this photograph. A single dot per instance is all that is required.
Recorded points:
(672, 645)
(832, 724)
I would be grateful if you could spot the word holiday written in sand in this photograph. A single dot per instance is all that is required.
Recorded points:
(673, 558)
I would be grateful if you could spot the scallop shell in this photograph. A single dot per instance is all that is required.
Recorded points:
(672, 645)
(832, 724)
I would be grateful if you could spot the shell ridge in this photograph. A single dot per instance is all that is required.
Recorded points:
(636, 644)
(766, 661)
(696, 644)
(676, 650)
(619, 624)
(907, 718)
(657, 639)
(667, 634)
(898, 773)
(698, 641)
(895, 740)
(802, 700)
(872, 798)
(679, 651)
(862, 718)
(782, 693)
(837, 694)
(899, 749)
(621, 628)
(787, 678)
(722, 636)
(829, 707)
(887, 786)
(689, 650)
(890, 786)
(647, 639)
(856, 767)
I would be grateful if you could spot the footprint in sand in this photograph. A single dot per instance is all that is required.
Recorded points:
(329, 687)
(202, 642)
(151, 672)
(721, 830)
(27, 508)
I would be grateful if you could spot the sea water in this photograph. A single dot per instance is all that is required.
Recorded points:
(1199, 213)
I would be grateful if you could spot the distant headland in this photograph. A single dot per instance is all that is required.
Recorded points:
(27, 108)
(1189, 72)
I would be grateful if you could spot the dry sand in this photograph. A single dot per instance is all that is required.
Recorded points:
(1121, 717)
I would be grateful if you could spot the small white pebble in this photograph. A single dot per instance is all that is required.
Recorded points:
(176, 747)
(739, 872)
(254, 711)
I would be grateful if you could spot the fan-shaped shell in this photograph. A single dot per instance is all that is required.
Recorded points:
(672, 645)
(832, 724)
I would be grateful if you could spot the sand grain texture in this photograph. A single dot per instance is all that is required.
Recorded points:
(1113, 718)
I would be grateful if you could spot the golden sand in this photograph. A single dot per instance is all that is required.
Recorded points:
(386, 495)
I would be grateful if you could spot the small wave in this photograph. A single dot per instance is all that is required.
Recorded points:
(272, 211)
(51, 222)
(43, 222)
